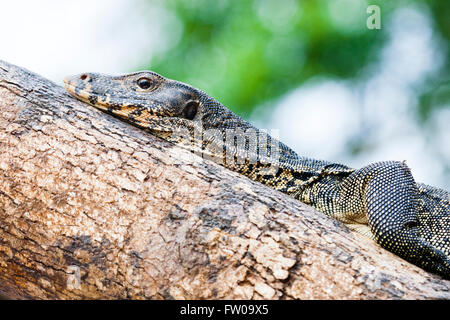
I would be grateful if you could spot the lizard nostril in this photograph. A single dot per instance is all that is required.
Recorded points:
(83, 76)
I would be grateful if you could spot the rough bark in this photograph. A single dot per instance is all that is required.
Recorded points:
(136, 217)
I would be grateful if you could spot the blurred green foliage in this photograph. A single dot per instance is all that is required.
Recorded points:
(245, 53)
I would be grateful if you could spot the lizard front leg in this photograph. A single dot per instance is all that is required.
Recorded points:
(390, 199)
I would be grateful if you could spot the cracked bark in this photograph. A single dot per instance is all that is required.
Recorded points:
(94, 208)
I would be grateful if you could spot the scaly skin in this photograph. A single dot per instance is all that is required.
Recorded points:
(381, 200)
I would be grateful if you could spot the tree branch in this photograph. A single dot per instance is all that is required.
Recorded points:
(92, 207)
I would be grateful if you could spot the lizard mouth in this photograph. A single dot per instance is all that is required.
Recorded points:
(136, 114)
(84, 94)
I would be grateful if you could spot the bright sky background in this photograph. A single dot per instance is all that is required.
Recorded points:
(60, 38)
(327, 113)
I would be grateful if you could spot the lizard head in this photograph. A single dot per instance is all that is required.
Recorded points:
(170, 109)
(145, 99)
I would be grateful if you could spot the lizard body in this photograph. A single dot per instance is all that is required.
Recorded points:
(381, 200)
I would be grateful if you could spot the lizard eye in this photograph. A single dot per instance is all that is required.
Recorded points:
(190, 110)
(144, 83)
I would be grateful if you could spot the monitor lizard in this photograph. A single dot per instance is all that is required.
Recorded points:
(380, 200)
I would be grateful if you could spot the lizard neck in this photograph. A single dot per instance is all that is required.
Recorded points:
(227, 139)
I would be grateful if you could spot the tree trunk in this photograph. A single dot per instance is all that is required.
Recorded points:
(94, 208)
